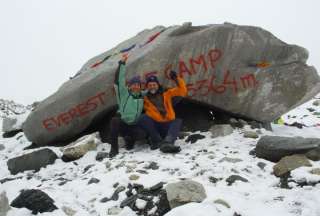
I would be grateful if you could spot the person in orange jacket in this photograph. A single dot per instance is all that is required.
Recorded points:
(159, 120)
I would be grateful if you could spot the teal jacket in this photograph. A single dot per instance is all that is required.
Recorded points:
(130, 106)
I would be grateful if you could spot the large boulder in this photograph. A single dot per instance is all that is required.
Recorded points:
(4, 204)
(31, 161)
(273, 148)
(289, 163)
(184, 192)
(243, 70)
(34, 200)
(79, 148)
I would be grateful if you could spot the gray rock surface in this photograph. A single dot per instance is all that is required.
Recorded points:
(4, 204)
(273, 148)
(31, 161)
(244, 70)
(220, 130)
(314, 154)
(183, 192)
(289, 163)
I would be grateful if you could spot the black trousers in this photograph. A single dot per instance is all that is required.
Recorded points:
(119, 127)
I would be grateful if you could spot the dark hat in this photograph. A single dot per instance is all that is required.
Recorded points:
(152, 78)
(135, 79)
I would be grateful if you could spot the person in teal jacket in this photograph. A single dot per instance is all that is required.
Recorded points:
(130, 106)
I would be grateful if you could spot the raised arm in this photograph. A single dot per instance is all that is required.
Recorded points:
(181, 89)
(120, 79)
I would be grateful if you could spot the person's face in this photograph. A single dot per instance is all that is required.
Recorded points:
(153, 87)
(135, 88)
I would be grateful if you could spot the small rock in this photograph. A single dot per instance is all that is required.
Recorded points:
(233, 178)
(235, 123)
(121, 164)
(214, 179)
(129, 201)
(116, 185)
(243, 122)
(184, 192)
(108, 164)
(313, 154)
(68, 211)
(152, 165)
(310, 109)
(211, 157)
(261, 165)
(230, 160)
(142, 171)
(87, 168)
(289, 163)
(157, 186)
(315, 171)
(134, 177)
(93, 181)
(194, 138)
(1, 147)
(255, 124)
(34, 200)
(114, 210)
(101, 155)
(4, 204)
(105, 199)
(221, 130)
(250, 134)
(222, 202)
(316, 103)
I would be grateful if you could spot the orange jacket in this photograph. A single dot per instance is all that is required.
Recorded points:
(152, 111)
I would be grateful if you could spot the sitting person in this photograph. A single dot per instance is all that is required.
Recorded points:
(159, 119)
(130, 106)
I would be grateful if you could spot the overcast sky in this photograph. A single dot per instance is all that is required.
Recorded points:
(44, 42)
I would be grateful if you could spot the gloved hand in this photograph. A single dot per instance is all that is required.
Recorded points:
(124, 58)
(173, 75)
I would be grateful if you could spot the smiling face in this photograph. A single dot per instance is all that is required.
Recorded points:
(135, 88)
(152, 87)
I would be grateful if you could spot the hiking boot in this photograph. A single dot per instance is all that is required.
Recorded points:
(113, 152)
(154, 145)
(129, 142)
(167, 147)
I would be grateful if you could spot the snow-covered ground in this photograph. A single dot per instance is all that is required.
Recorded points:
(200, 161)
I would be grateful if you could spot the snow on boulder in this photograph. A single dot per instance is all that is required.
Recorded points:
(243, 70)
